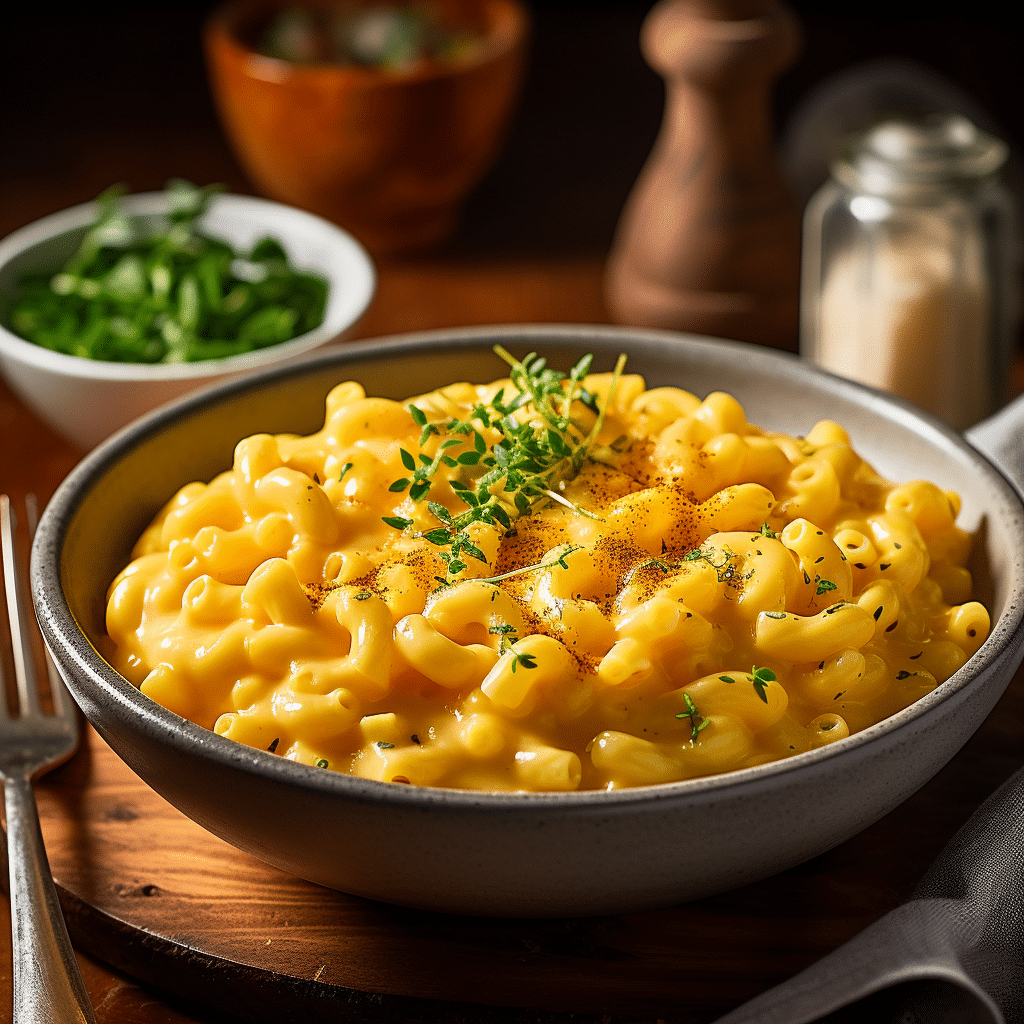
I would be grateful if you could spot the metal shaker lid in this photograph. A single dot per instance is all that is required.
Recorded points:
(900, 158)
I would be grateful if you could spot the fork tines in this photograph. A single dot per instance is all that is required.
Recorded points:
(24, 652)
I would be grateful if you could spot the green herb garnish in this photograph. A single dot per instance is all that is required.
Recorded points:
(560, 561)
(724, 570)
(824, 586)
(501, 481)
(394, 38)
(160, 290)
(507, 632)
(526, 660)
(697, 722)
(760, 677)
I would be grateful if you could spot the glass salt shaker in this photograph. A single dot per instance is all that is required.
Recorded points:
(907, 278)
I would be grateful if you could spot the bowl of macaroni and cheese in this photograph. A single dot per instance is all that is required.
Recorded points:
(535, 620)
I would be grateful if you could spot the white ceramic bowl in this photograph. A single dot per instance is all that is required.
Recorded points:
(86, 400)
(544, 854)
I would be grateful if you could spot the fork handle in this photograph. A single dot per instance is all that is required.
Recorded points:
(48, 986)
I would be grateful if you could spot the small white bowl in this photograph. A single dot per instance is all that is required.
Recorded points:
(87, 400)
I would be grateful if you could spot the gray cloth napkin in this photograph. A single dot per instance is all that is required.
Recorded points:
(953, 954)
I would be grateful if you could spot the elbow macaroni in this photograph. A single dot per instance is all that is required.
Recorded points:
(708, 596)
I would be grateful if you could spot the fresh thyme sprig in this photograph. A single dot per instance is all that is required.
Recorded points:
(507, 632)
(697, 720)
(560, 560)
(502, 481)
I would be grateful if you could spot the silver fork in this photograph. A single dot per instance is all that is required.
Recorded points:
(48, 987)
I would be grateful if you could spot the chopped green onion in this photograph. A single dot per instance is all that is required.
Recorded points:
(146, 290)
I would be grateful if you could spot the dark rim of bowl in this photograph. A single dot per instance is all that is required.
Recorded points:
(999, 653)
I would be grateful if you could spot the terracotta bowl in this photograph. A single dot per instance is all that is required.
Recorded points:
(387, 155)
(540, 854)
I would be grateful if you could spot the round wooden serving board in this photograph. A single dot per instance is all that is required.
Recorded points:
(152, 893)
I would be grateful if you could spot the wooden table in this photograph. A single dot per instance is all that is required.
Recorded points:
(525, 254)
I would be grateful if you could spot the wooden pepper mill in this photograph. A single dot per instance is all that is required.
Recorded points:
(709, 240)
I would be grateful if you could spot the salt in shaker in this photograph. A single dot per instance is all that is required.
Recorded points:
(907, 261)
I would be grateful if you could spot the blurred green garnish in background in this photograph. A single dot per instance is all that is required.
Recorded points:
(396, 37)
(159, 290)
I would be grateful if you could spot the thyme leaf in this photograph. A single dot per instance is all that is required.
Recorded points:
(760, 677)
(507, 632)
